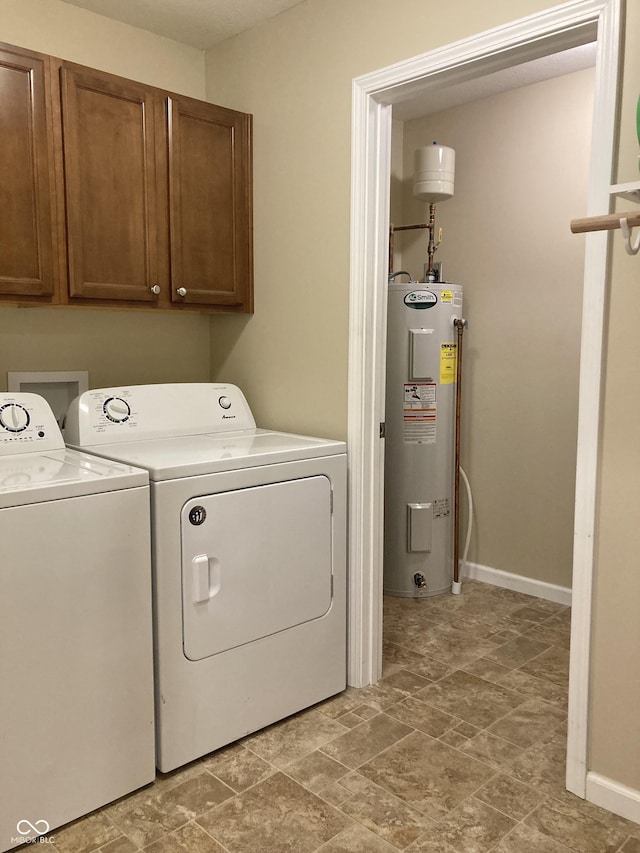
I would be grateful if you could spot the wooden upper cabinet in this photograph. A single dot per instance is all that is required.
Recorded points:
(110, 186)
(26, 178)
(210, 204)
(115, 193)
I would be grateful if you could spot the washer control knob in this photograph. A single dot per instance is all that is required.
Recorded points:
(116, 409)
(225, 402)
(14, 418)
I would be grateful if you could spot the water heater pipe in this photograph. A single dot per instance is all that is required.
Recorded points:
(455, 586)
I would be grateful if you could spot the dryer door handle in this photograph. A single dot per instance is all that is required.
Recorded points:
(205, 578)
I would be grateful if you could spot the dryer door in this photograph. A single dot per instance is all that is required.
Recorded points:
(255, 561)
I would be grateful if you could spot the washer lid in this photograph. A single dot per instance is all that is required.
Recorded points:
(30, 478)
(194, 455)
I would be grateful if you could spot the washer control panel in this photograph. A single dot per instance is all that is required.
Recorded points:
(142, 412)
(27, 424)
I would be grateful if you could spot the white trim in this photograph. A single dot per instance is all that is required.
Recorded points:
(613, 796)
(518, 583)
(590, 390)
(542, 34)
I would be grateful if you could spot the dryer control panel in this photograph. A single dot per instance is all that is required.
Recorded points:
(141, 412)
(27, 424)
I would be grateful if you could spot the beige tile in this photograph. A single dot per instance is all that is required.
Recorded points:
(430, 668)
(510, 796)
(239, 768)
(552, 665)
(190, 838)
(517, 652)
(275, 815)
(317, 771)
(335, 794)
(524, 618)
(366, 740)
(120, 845)
(491, 750)
(529, 685)
(550, 632)
(632, 845)
(352, 719)
(451, 647)
(488, 670)
(342, 703)
(473, 827)
(381, 695)
(523, 839)
(467, 730)
(406, 681)
(164, 781)
(87, 834)
(356, 839)
(453, 738)
(528, 723)
(149, 820)
(395, 657)
(386, 815)
(356, 783)
(543, 766)
(427, 774)
(294, 737)
(593, 812)
(474, 700)
(424, 717)
(572, 828)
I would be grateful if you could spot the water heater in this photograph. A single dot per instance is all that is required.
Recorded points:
(420, 437)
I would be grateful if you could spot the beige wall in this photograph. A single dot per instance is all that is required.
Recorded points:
(521, 175)
(114, 346)
(294, 74)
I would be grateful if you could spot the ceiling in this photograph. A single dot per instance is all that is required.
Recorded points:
(199, 23)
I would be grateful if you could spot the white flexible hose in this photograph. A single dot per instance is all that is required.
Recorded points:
(457, 586)
(470, 523)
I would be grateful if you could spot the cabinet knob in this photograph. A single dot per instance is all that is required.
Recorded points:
(155, 289)
(181, 291)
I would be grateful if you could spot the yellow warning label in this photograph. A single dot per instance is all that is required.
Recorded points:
(448, 363)
(446, 296)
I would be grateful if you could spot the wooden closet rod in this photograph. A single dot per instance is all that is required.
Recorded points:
(604, 223)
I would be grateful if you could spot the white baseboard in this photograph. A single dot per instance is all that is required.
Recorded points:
(613, 796)
(518, 583)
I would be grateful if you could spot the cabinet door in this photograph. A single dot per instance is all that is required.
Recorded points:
(26, 227)
(210, 191)
(109, 165)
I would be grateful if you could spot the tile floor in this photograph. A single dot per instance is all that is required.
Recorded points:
(458, 749)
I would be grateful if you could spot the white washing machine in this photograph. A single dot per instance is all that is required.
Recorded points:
(76, 662)
(249, 558)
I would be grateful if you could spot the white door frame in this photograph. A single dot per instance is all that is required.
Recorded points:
(557, 29)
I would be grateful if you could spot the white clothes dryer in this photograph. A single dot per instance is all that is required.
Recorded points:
(249, 558)
(76, 662)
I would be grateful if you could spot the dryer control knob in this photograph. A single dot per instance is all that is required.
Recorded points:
(14, 418)
(225, 402)
(116, 409)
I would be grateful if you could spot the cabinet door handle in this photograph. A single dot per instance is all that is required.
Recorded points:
(181, 291)
(155, 289)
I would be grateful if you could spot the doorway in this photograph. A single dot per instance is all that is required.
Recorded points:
(374, 95)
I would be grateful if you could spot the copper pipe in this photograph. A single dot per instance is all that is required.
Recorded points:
(392, 230)
(431, 247)
(459, 325)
